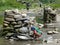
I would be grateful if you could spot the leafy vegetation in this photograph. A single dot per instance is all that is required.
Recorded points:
(9, 4)
(39, 19)
(55, 5)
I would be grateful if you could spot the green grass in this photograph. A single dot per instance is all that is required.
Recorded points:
(1, 20)
(10, 4)
(2, 41)
(55, 5)
(38, 19)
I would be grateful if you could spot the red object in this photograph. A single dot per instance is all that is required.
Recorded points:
(36, 34)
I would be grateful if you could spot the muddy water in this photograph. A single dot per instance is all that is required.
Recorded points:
(33, 42)
(12, 42)
(7, 42)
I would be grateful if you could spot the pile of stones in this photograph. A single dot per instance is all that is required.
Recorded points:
(14, 21)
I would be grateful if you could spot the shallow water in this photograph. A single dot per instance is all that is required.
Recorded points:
(8, 42)
(33, 42)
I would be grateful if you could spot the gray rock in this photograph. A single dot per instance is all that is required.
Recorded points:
(17, 16)
(6, 22)
(17, 26)
(9, 19)
(9, 34)
(23, 29)
(10, 16)
(19, 22)
(6, 25)
(13, 23)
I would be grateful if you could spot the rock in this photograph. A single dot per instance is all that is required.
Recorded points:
(24, 15)
(9, 34)
(28, 44)
(19, 19)
(27, 21)
(17, 26)
(17, 16)
(9, 12)
(6, 22)
(23, 29)
(23, 37)
(16, 11)
(5, 25)
(31, 33)
(11, 40)
(6, 37)
(7, 28)
(10, 16)
(9, 19)
(49, 32)
(19, 22)
(55, 32)
(13, 23)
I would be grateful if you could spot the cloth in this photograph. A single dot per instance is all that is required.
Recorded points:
(32, 28)
(36, 34)
(38, 30)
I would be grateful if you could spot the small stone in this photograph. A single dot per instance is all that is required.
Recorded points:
(11, 40)
(28, 44)
(5, 24)
(14, 23)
